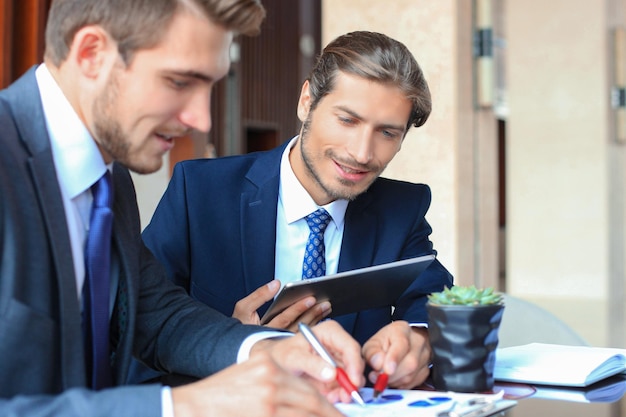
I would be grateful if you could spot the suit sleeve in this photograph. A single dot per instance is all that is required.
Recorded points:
(176, 334)
(412, 305)
(136, 401)
(172, 332)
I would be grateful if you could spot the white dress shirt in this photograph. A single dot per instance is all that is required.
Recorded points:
(292, 230)
(78, 164)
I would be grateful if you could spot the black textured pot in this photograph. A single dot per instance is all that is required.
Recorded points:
(464, 341)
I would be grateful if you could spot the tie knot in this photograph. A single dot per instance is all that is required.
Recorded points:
(102, 191)
(318, 220)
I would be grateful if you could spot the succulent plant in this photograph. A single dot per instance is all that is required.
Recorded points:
(466, 295)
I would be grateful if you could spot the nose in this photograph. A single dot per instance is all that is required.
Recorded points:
(197, 113)
(360, 146)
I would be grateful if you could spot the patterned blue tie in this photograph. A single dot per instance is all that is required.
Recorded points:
(96, 289)
(314, 264)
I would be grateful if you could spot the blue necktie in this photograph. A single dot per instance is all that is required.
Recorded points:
(96, 290)
(314, 264)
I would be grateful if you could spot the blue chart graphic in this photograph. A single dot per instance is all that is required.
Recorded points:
(385, 399)
(415, 403)
(430, 401)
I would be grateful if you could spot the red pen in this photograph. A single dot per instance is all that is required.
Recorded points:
(381, 384)
(342, 377)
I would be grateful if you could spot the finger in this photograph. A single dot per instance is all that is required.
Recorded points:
(375, 349)
(291, 315)
(297, 355)
(417, 353)
(411, 380)
(416, 365)
(413, 366)
(397, 352)
(389, 347)
(312, 316)
(343, 348)
(316, 313)
(245, 309)
(264, 293)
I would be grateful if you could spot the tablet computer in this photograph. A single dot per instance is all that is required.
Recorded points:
(355, 290)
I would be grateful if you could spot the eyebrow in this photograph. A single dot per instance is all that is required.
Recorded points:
(357, 116)
(192, 74)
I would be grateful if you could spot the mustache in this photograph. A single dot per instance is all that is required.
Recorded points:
(175, 132)
(351, 163)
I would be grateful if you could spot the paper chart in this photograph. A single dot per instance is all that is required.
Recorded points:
(413, 403)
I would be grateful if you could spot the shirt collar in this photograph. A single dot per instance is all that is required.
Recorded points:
(296, 201)
(78, 161)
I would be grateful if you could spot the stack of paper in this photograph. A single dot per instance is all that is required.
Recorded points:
(550, 364)
(606, 391)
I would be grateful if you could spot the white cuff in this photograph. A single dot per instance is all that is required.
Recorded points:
(167, 405)
(246, 346)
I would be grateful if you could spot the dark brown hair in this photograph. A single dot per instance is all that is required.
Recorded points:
(140, 24)
(375, 57)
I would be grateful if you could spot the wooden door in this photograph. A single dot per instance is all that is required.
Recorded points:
(22, 30)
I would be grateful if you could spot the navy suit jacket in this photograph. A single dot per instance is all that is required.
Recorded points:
(215, 231)
(42, 365)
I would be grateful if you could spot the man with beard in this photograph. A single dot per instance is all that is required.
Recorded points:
(79, 292)
(226, 227)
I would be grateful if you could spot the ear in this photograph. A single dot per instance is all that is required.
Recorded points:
(304, 103)
(91, 50)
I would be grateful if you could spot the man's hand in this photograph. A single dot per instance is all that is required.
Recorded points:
(305, 310)
(258, 387)
(296, 355)
(402, 351)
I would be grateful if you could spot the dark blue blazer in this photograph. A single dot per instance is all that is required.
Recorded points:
(42, 365)
(215, 231)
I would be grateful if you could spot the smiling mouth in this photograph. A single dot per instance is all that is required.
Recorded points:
(167, 138)
(349, 170)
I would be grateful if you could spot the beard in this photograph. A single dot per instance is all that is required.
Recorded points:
(346, 189)
(109, 133)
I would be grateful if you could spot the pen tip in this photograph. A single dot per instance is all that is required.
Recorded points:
(357, 397)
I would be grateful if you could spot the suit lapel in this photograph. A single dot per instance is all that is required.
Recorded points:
(359, 235)
(358, 244)
(123, 268)
(258, 219)
(28, 113)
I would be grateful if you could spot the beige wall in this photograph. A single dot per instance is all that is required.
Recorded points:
(560, 237)
(149, 189)
(557, 151)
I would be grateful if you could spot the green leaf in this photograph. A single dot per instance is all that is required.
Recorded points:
(466, 295)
